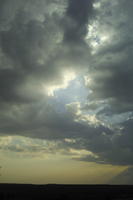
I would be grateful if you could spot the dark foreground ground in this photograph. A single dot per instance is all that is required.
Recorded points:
(65, 192)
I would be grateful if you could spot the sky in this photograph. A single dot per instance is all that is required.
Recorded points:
(66, 99)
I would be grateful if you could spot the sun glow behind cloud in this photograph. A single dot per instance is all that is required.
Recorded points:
(67, 78)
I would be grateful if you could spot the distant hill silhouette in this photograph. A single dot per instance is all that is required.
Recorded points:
(65, 192)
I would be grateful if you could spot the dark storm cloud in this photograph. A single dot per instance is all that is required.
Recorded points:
(78, 14)
(39, 40)
(9, 79)
(115, 86)
(112, 69)
(28, 46)
(75, 24)
(32, 43)
(111, 83)
(32, 54)
(115, 148)
(45, 122)
(32, 51)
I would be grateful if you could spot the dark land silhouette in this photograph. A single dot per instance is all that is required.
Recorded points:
(65, 192)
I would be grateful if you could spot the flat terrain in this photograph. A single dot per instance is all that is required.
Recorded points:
(65, 192)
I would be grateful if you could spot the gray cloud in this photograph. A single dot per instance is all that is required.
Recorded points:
(34, 48)
(39, 40)
(112, 64)
(33, 53)
(78, 14)
(111, 74)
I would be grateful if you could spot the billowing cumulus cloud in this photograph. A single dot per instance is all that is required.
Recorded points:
(66, 77)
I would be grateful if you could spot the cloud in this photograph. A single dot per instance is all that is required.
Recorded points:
(41, 43)
(110, 81)
(116, 148)
(34, 56)
(28, 147)
(32, 48)
(29, 47)
(111, 68)
(78, 15)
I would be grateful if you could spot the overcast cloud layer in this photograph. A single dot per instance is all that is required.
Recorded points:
(43, 41)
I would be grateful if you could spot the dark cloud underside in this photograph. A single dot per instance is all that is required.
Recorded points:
(78, 13)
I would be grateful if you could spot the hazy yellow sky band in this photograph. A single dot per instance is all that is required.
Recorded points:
(57, 169)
